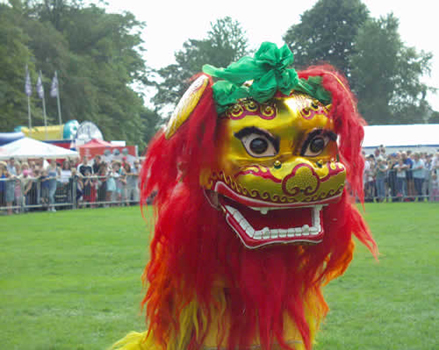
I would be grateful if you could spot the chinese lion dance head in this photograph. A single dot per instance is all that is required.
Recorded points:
(254, 178)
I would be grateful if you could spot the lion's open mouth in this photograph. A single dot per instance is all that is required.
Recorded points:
(259, 226)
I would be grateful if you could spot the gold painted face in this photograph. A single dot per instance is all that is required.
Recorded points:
(277, 155)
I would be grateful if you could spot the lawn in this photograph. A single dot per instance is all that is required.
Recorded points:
(71, 280)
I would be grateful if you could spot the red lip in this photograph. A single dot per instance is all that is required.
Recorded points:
(269, 225)
(222, 189)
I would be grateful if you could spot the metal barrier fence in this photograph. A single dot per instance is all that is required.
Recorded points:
(402, 185)
(24, 194)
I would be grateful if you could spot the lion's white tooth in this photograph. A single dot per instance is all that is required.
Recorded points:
(250, 231)
(290, 232)
(283, 232)
(264, 211)
(313, 230)
(305, 229)
(274, 233)
(266, 232)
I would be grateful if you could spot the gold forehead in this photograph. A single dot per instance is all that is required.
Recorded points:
(297, 102)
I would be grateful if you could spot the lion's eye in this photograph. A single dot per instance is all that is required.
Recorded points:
(314, 145)
(258, 145)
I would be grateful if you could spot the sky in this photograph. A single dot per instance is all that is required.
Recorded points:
(170, 23)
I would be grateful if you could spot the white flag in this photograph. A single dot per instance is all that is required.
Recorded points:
(40, 88)
(27, 84)
(54, 87)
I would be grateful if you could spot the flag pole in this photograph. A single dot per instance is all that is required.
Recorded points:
(58, 103)
(29, 116)
(44, 105)
(28, 91)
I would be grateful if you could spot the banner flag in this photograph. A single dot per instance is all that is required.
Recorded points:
(54, 88)
(27, 84)
(40, 88)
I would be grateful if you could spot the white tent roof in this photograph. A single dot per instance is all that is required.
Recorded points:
(30, 148)
(404, 136)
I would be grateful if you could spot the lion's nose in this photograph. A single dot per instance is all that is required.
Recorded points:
(302, 178)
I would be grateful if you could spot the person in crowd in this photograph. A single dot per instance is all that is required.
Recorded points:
(32, 166)
(435, 164)
(18, 193)
(97, 161)
(52, 177)
(89, 189)
(44, 186)
(130, 182)
(65, 181)
(102, 183)
(418, 175)
(42, 163)
(107, 156)
(4, 175)
(427, 176)
(380, 177)
(84, 166)
(111, 184)
(77, 184)
(26, 185)
(133, 182)
(434, 187)
(34, 192)
(409, 175)
(401, 178)
(369, 186)
(116, 155)
(128, 157)
(10, 184)
(382, 151)
(391, 176)
(120, 182)
(11, 166)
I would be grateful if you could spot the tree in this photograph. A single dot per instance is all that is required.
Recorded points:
(326, 33)
(225, 43)
(387, 75)
(98, 56)
(14, 55)
(434, 118)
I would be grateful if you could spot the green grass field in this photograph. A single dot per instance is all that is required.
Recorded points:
(71, 280)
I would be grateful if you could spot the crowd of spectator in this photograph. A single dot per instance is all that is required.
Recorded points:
(42, 184)
(46, 185)
(401, 176)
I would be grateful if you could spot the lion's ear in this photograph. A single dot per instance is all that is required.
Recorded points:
(186, 105)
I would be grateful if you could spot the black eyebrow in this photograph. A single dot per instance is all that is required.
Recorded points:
(254, 130)
(331, 134)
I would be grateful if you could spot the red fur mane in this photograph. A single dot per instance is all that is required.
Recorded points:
(193, 248)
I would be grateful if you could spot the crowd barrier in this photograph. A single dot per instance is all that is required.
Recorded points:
(405, 185)
(20, 195)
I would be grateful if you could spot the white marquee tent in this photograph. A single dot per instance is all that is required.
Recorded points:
(30, 148)
(416, 137)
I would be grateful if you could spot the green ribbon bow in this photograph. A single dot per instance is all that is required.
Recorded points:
(268, 70)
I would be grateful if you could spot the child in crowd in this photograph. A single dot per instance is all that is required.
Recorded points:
(89, 191)
(76, 179)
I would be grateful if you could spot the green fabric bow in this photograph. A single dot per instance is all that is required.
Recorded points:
(268, 70)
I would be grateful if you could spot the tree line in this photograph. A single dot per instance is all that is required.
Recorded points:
(102, 63)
